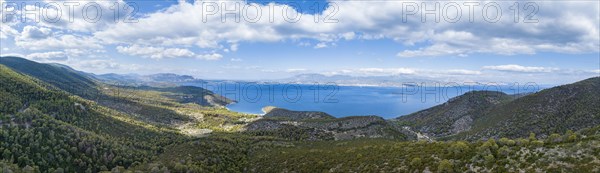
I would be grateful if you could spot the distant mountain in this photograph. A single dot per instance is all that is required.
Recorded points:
(478, 115)
(113, 77)
(169, 77)
(160, 79)
(345, 80)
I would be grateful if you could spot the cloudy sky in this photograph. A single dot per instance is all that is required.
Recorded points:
(547, 42)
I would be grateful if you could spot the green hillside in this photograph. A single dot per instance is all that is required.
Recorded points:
(46, 128)
(484, 114)
(62, 77)
(456, 115)
(554, 110)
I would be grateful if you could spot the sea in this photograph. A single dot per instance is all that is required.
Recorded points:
(342, 101)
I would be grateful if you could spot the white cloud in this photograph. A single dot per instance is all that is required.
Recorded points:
(295, 70)
(349, 35)
(7, 31)
(12, 54)
(463, 72)
(566, 27)
(48, 56)
(462, 43)
(320, 45)
(234, 47)
(80, 15)
(210, 56)
(236, 60)
(137, 50)
(385, 71)
(35, 33)
(57, 42)
(177, 52)
(519, 68)
(161, 52)
(8, 14)
(435, 50)
(97, 64)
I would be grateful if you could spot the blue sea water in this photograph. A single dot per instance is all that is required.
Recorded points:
(341, 101)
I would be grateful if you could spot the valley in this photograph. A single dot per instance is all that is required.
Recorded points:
(56, 119)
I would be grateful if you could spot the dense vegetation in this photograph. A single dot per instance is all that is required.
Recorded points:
(562, 153)
(45, 127)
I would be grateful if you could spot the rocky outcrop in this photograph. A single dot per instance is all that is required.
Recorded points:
(462, 124)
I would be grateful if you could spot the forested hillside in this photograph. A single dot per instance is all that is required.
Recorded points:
(483, 114)
(555, 110)
(62, 77)
(47, 129)
(44, 127)
(456, 115)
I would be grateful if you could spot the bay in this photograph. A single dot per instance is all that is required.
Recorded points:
(341, 101)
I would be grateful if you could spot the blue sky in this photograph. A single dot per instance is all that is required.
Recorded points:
(361, 38)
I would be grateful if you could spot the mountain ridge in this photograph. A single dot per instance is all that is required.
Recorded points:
(511, 116)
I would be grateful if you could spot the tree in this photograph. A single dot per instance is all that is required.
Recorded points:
(532, 137)
(554, 138)
(570, 136)
(6, 154)
(28, 169)
(154, 170)
(504, 151)
(489, 160)
(416, 163)
(458, 149)
(506, 142)
(59, 170)
(445, 166)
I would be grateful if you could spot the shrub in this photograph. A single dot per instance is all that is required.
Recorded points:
(446, 166)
